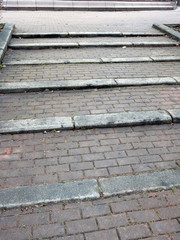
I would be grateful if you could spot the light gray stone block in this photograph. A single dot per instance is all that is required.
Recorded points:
(141, 182)
(144, 81)
(175, 113)
(40, 35)
(139, 34)
(128, 59)
(104, 44)
(48, 193)
(42, 85)
(165, 58)
(163, 28)
(42, 45)
(35, 125)
(5, 37)
(155, 44)
(122, 119)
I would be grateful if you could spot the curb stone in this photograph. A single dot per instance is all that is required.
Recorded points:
(163, 28)
(141, 182)
(5, 37)
(86, 121)
(47, 193)
(85, 34)
(95, 60)
(36, 125)
(87, 189)
(17, 46)
(122, 119)
(82, 84)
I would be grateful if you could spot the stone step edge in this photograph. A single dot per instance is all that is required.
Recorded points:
(94, 7)
(90, 121)
(38, 86)
(95, 60)
(169, 31)
(88, 189)
(86, 34)
(5, 37)
(29, 46)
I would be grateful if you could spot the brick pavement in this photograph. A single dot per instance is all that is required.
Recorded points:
(88, 71)
(57, 54)
(92, 39)
(27, 159)
(73, 155)
(150, 216)
(37, 21)
(93, 101)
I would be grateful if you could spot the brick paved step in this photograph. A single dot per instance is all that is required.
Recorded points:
(83, 84)
(142, 215)
(92, 55)
(58, 156)
(86, 34)
(158, 39)
(84, 102)
(87, 189)
(87, 5)
(75, 72)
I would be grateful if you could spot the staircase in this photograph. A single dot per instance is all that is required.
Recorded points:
(81, 5)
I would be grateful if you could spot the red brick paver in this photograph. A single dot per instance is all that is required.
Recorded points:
(52, 157)
(95, 219)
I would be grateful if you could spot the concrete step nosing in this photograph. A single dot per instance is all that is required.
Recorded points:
(87, 189)
(18, 46)
(95, 60)
(82, 84)
(83, 34)
(89, 121)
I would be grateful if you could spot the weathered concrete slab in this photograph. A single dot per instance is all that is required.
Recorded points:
(142, 34)
(42, 45)
(41, 35)
(90, 44)
(128, 59)
(122, 119)
(144, 81)
(42, 85)
(175, 113)
(47, 193)
(163, 28)
(51, 61)
(142, 182)
(94, 60)
(35, 125)
(5, 37)
(165, 58)
(78, 84)
(155, 44)
(104, 44)
(85, 34)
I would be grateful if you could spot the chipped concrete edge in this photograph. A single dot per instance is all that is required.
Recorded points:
(91, 121)
(165, 29)
(38, 86)
(85, 34)
(5, 37)
(95, 60)
(87, 189)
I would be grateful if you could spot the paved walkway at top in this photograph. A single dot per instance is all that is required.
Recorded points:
(44, 21)
(52, 157)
